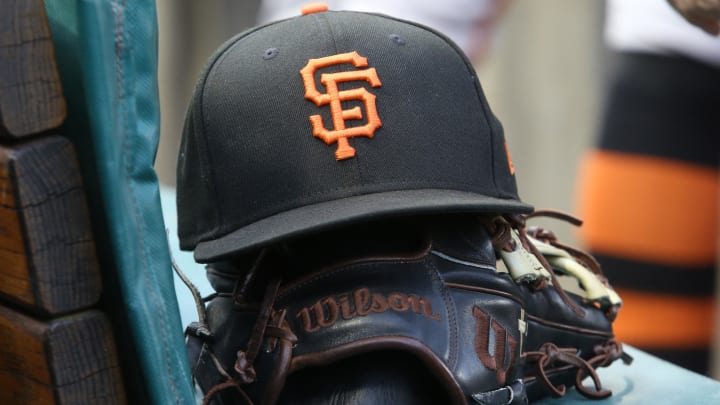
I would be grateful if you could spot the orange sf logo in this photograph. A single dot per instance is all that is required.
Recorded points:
(335, 97)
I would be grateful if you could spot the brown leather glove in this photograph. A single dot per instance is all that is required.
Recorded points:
(401, 312)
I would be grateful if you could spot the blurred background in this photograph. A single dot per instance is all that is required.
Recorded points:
(544, 66)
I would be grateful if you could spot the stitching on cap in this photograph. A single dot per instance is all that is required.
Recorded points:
(357, 166)
(211, 172)
(471, 71)
(321, 17)
(216, 59)
(332, 34)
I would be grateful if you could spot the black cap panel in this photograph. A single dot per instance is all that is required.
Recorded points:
(255, 153)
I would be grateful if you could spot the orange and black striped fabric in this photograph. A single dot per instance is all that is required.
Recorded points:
(648, 194)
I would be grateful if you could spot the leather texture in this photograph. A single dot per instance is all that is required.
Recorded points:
(108, 60)
(410, 303)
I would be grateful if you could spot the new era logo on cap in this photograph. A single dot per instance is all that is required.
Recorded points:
(398, 104)
(334, 97)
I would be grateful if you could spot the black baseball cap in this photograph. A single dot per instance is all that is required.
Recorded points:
(330, 118)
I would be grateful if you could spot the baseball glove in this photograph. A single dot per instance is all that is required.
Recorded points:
(425, 310)
(569, 307)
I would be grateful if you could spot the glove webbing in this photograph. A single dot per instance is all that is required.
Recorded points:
(585, 259)
(501, 229)
(548, 236)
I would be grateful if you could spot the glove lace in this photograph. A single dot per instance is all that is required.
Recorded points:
(548, 236)
(268, 323)
(584, 258)
(501, 228)
(549, 355)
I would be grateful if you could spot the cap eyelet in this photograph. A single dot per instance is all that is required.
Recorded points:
(270, 53)
(397, 39)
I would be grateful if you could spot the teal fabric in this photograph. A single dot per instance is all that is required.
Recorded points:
(107, 57)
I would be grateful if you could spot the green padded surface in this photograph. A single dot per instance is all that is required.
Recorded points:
(107, 57)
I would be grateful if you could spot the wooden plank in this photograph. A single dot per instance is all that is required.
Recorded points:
(47, 252)
(31, 97)
(67, 360)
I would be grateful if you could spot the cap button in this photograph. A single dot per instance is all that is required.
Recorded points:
(312, 8)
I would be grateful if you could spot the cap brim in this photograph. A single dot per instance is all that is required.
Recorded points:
(349, 210)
